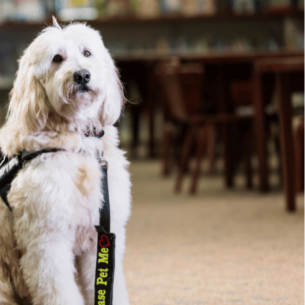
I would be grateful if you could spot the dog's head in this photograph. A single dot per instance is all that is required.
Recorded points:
(66, 75)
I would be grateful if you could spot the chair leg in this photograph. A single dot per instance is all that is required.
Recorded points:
(187, 145)
(286, 138)
(201, 145)
(247, 152)
(260, 132)
(211, 149)
(229, 167)
(280, 163)
(167, 141)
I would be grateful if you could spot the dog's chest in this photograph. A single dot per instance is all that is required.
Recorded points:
(88, 200)
(87, 196)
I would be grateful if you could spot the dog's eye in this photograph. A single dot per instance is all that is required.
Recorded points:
(57, 58)
(87, 53)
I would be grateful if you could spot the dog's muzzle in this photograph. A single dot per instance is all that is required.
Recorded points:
(82, 78)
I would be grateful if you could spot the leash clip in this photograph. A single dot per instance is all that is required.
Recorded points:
(100, 158)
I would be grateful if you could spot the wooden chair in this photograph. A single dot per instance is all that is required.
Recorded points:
(289, 77)
(182, 90)
(178, 105)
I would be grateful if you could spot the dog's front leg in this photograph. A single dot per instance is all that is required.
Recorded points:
(45, 237)
(48, 269)
(45, 228)
(120, 293)
(87, 263)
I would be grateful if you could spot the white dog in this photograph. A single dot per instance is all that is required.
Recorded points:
(65, 82)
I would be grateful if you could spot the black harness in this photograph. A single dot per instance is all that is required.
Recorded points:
(9, 168)
(105, 261)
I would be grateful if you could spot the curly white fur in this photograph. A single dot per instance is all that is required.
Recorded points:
(48, 242)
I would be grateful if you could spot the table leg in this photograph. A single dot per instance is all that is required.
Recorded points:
(286, 138)
(299, 158)
(135, 121)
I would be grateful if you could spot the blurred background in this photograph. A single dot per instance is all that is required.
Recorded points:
(214, 130)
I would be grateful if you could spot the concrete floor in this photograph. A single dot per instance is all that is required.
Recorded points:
(217, 247)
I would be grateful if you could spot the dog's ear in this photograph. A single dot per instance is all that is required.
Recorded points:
(114, 99)
(28, 104)
(55, 23)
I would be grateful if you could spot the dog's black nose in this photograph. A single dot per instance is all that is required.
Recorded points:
(82, 77)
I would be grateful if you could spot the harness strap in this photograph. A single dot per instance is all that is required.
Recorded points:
(30, 155)
(10, 169)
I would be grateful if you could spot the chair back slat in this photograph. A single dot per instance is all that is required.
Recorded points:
(181, 86)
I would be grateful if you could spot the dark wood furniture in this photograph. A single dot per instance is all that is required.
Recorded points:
(299, 157)
(219, 63)
(225, 67)
(181, 95)
(182, 89)
(289, 77)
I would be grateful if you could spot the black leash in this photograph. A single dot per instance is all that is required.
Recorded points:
(105, 258)
(105, 262)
